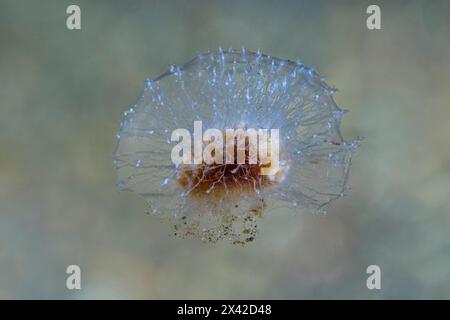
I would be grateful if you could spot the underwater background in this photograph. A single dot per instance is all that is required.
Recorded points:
(62, 96)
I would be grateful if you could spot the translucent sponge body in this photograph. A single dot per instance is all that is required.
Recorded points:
(234, 89)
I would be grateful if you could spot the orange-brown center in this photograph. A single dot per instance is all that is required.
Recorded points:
(220, 179)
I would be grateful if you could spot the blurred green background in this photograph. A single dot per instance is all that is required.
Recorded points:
(62, 94)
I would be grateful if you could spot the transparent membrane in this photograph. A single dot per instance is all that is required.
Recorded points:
(228, 89)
